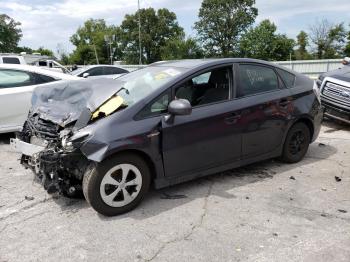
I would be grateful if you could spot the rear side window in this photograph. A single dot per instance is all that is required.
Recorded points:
(288, 78)
(14, 78)
(42, 79)
(11, 60)
(96, 71)
(114, 71)
(255, 79)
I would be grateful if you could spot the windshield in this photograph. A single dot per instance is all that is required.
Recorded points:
(141, 83)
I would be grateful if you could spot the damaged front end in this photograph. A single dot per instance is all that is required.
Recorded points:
(55, 132)
(48, 150)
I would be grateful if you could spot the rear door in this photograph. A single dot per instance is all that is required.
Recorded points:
(266, 108)
(210, 136)
(16, 89)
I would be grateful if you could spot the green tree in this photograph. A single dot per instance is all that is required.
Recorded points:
(44, 51)
(347, 47)
(10, 33)
(157, 28)
(221, 22)
(302, 43)
(262, 42)
(90, 38)
(328, 39)
(181, 49)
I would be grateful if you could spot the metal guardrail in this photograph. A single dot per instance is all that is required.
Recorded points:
(311, 68)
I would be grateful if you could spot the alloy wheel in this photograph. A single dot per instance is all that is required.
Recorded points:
(121, 185)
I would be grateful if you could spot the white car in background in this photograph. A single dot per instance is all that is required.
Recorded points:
(100, 71)
(17, 83)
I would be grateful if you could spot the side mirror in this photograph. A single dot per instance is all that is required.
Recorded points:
(180, 107)
(86, 75)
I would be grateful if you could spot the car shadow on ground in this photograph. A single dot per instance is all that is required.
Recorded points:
(5, 138)
(172, 197)
(159, 201)
(335, 126)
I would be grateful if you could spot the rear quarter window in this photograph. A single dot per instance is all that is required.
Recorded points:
(288, 78)
(42, 79)
(11, 60)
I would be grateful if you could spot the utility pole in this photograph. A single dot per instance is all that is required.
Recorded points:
(110, 40)
(140, 47)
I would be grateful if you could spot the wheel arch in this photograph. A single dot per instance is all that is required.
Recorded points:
(143, 155)
(308, 122)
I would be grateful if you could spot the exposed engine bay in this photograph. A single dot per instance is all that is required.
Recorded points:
(60, 167)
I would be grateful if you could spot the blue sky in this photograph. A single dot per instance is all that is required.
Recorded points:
(51, 22)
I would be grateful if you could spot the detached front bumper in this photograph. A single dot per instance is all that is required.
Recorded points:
(58, 171)
(25, 148)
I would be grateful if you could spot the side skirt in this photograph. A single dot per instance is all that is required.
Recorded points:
(169, 181)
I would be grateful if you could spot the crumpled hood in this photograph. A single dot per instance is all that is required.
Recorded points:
(341, 74)
(63, 102)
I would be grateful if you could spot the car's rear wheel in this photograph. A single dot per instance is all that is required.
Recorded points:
(296, 144)
(116, 185)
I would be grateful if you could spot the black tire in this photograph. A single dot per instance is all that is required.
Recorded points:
(95, 173)
(296, 144)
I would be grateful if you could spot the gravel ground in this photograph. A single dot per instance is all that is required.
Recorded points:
(269, 211)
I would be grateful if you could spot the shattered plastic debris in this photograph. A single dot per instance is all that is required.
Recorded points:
(29, 198)
(338, 179)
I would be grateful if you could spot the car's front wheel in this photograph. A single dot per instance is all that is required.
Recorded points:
(296, 144)
(116, 185)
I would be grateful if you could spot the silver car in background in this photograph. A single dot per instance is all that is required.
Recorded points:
(17, 83)
(100, 71)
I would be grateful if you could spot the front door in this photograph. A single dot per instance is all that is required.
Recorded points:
(210, 136)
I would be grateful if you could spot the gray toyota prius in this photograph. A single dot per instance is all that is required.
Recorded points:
(165, 124)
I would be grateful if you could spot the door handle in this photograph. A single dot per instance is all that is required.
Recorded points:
(232, 119)
(284, 102)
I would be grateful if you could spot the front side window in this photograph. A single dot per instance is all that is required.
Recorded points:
(255, 79)
(209, 87)
(157, 107)
(14, 78)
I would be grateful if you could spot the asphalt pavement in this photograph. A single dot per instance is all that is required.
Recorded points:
(268, 211)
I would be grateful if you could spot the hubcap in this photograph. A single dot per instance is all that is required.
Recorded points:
(297, 143)
(121, 185)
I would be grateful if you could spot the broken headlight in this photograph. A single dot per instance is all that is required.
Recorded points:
(69, 144)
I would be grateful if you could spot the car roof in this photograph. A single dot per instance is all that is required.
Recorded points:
(191, 63)
(37, 69)
(92, 66)
(198, 63)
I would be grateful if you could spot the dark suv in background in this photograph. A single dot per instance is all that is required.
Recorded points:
(165, 124)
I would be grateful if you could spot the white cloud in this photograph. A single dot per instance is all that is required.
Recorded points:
(49, 22)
